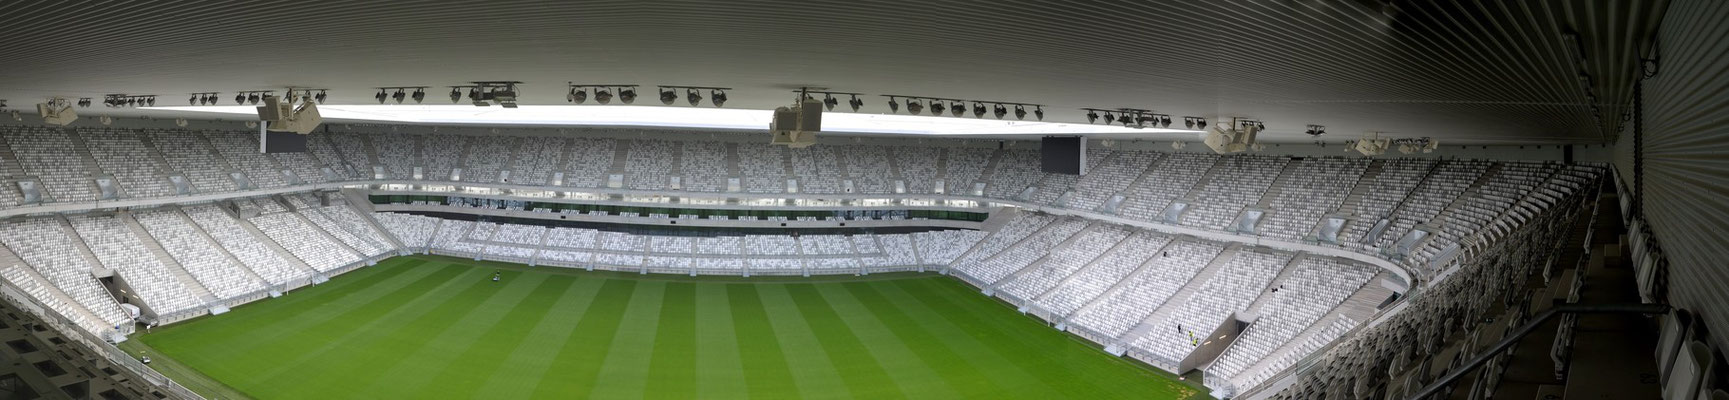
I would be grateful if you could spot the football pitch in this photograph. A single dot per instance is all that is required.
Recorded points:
(425, 327)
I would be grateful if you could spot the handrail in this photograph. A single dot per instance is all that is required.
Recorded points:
(1532, 325)
(52, 319)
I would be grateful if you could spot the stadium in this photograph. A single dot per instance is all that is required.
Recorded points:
(1166, 199)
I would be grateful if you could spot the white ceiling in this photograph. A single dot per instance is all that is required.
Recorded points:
(1466, 71)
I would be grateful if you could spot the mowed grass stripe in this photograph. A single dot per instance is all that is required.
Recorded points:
(912, 373)
(990, 331)
(1017, 379)
(433, 327)
(219, 331)
(860, 369)
(490, 333)
(516, 378)
(672, 374)
(767, 372)
(577, 362)
(624, 372)
(389, 339)
(719, 364)
(958, 370)
(805, 356)
(274, 351)
(1067, 364)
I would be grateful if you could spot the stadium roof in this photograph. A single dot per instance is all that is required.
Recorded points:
(1465, 72)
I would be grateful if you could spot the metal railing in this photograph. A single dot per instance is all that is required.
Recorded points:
(60, 323)
(1530, 326)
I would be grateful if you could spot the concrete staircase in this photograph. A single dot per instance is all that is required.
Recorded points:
(989, 170)
(894, 168)
(731, 161)
(368, 149)
(1459, 201)
(9, 166)
(1266, 295)
(942, 171)
(991, 225)
(283, 252)
(326, 234)
(8, 259)
(156, 156)
(390, 237)
(464, 160)
(1145, 174)
(1364, 185)
(1040, 262)
(1414, 188)
(621, 156)
(1182, 295)
(167, 260)
(1089, 265)
(1195, 190)
(77, 138)
(228, 167)
(1278, 185)
(803, 262)
(78, 243)
(341, 163)
(989, 287)
(1118, 287)
(92, 169)
(232, 260)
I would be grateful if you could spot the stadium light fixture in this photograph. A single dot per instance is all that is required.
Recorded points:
(936, 108)
(627, 95)
(578, 95)
(661, 116)
(602, 95)
(668, 96)
(855, 103)
(958, 108)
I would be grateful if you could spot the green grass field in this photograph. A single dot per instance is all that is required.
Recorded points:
(437, 327)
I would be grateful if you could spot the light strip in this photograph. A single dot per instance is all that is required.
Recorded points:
(684, 117)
